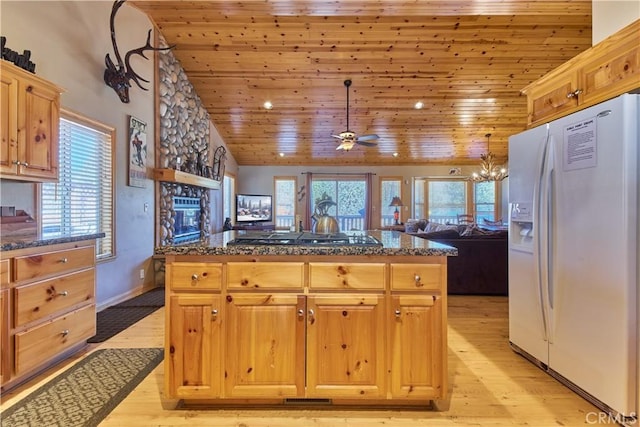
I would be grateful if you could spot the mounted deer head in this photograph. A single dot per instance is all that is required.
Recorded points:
(118, 77)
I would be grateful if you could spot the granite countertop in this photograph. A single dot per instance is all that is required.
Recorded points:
(394, 243)
(11, 243)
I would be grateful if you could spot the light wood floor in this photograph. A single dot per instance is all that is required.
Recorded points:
(489, 385)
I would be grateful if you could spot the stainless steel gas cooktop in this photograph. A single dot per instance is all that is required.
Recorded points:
(304, 239)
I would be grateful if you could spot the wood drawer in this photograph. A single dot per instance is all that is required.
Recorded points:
(346, 276)
(417, 277)
(38, 345)
(4, 273)
(190, 276)
(49, 263)
(42, 299)
(265, 275)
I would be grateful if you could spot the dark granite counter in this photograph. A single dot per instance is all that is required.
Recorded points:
(394, 243)
(12, 243)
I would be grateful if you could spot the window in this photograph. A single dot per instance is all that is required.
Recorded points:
(442, 200)
(285, 201)
(484, 200)
(447, 199)
(390, 187)
(350, 196)
(82, 201)
(228, 196)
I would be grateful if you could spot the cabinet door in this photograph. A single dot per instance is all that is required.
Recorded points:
(616, 72)
(5, 351)
(192, 360)
(346, 346)
(40, 124)
(418, 347)
(8, 123)
(264, 342)
(552, 99)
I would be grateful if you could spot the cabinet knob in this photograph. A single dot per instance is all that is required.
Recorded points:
(64, 260)
(25, 164)
(214, 314)
(16, 162)
(397, 313)
(312, 314)
(301, 313)
(195, 277)
(63, 293)
(416, 278)
(574, 94)
(65, 332)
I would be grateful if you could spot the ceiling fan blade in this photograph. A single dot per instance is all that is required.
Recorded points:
(368, 137)
(336, 136)
(366, 144)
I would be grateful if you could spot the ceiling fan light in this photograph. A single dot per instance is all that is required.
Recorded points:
(418, 105)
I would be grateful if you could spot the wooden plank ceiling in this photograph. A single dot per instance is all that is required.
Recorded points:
(465, 60)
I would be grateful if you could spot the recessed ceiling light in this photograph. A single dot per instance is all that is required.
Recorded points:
(418, 105)
(268, 105)
(395, 154)
(281, 154)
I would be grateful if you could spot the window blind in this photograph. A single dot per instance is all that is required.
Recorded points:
(82, 201)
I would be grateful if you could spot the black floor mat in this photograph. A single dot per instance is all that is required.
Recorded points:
(152, 298)
(117, 318)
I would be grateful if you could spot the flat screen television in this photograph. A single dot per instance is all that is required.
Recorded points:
(252, 208)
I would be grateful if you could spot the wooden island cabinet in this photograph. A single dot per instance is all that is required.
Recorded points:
(264, 326)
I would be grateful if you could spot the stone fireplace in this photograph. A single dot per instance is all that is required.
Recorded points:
(171, 213)
(183, 142)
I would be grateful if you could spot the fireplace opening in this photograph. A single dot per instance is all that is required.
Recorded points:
(187, 220)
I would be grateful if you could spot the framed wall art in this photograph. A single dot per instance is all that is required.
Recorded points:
(137, 153)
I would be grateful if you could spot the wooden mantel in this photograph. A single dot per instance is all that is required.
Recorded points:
(176, 176)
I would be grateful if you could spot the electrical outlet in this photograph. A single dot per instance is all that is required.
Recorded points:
(141, 273)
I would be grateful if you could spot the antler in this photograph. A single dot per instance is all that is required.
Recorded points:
(118, 77)
(132, 75)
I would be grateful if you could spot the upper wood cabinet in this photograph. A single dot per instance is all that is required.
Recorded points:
(29, 125)
(608, 69)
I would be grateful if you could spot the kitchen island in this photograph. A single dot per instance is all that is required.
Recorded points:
(307, 322)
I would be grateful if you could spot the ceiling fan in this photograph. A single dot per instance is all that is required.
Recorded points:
(348, 138)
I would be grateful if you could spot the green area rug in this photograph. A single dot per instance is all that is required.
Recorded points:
(87, 392)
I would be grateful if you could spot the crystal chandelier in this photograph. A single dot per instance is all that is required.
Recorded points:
(489, 169)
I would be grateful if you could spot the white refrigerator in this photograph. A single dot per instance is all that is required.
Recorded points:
(573, 252)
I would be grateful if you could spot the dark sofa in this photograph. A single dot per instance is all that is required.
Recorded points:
(481, 267)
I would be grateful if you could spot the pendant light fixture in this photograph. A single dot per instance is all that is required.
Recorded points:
(489, 169)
